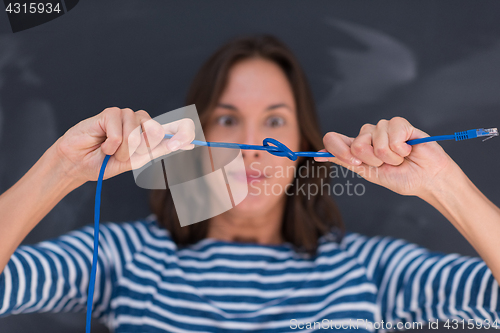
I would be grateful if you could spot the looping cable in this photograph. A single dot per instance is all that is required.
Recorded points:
(283, 151)
(278, 149)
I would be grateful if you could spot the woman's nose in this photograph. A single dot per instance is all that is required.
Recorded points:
(251, 153)
(251, 137)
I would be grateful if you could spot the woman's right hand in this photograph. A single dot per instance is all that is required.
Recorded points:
(117, 132)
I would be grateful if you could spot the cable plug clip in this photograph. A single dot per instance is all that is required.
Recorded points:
(475, 133)
(489, 132)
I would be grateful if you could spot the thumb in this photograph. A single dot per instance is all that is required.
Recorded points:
(359, 169)
(400, 131)
(183, 131)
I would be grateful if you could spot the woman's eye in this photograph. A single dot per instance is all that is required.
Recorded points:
(275, 121)
(226, 121)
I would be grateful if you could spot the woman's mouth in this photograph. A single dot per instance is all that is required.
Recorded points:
(248, 176)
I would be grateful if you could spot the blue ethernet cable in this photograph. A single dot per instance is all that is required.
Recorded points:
(458, 136)
(97, 212)
(277, 149)
(280, 149)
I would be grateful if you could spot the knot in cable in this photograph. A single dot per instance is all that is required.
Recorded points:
(279, 149)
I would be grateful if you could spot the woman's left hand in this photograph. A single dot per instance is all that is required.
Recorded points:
(387, 160)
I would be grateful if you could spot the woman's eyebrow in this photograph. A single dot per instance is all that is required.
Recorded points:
(280, 105)
(269, 108)
(227, 106)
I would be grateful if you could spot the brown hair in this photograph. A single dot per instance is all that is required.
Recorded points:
(306, 218)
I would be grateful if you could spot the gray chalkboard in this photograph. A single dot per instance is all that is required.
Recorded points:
(436, 63)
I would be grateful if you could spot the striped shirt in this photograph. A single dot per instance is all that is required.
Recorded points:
(145, 283)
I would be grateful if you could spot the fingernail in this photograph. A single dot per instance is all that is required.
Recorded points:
(321, 159)
(174, 145)
(356, 161)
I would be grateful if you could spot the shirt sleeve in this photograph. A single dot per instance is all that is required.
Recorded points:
(417, 285)
(54, 275)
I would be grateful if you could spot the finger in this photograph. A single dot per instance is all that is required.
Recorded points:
(380, 142)
(184, 133)
(152, 133)
(131, 139)
(152, 144)
(324, 159)
(188, 147)
(339, 146)
(142, 117)
(135, 138)
(139, 160)
(400, 131)
(418, 134)
(362, 149)
(367, 128)
(111, 122)
(359, 169)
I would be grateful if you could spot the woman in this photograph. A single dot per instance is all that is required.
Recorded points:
(277, 261)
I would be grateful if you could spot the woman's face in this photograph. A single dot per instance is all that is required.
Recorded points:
(258, 103)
